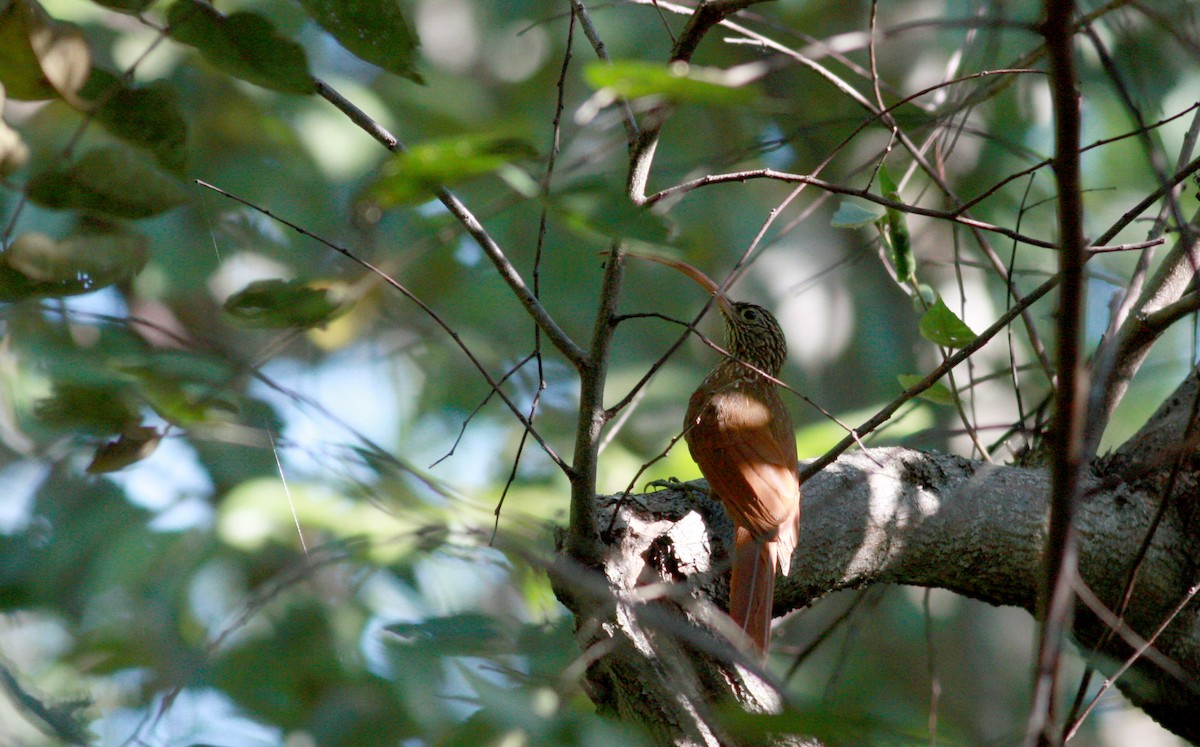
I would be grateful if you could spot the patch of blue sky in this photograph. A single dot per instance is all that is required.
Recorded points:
(21, 481)
(195, 716)
(355, 397)
(171, 483)
(777, 153)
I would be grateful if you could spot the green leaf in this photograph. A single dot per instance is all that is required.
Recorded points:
(412, 176)
(39, 265)
(183, 366)
(184, 404)
(939, 393)
(299, 666)
(678, 82)
(183, 388)
(887, 186)
(40, 58)
(373, 30)
(17, 287)
(148, 117)
(90, 409)
(244, 45)
(115, 180)
(942, 326)
(286, 303)
(855, 214)
(898, 239)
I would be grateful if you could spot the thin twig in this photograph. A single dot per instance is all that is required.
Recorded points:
(1047, 162)
(560, 339)
(662, 359)
(543, 220)
(784, 176)
(1138, 653)
(870, 593)
(1168, 497)
(633, 481)
(985, 336)
(619, 422)
(628, 119)
(462, 429)
(410, 296)
(1012, 351)
(1100, 403)
(691, 329)
(930, 379)
(935, 684)
(703, 18)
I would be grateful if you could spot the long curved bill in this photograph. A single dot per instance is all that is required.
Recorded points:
(703, 280)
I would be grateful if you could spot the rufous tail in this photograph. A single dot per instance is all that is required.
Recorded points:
(752, 586)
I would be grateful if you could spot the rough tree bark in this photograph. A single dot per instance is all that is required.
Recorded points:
(903, 517)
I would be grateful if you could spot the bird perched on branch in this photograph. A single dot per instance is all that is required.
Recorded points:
(740, 434)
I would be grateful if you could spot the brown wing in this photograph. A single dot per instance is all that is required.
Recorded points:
(741, 437)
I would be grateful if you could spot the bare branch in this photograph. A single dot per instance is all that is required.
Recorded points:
(707, 14)
(784, 176)
(1070, 412)
(1166, 298)
(580, 11)
(582, 536)
(424, 307)
(560, 339)
(983, 337)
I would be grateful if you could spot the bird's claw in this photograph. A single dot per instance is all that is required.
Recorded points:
(674, 483)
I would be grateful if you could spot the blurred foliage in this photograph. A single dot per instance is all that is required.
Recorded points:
(248, 487)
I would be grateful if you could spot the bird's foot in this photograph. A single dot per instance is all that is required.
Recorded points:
(674, 483)
(670, 483)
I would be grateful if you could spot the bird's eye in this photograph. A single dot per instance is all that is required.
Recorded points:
(749, 315)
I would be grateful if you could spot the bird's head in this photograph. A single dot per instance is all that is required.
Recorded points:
(753, 335)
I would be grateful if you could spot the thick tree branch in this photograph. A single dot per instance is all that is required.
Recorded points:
(657, 656)
(708, 14)
(907, 517)
(1161, 303)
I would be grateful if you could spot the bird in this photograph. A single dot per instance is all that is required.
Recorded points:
(740, 434)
